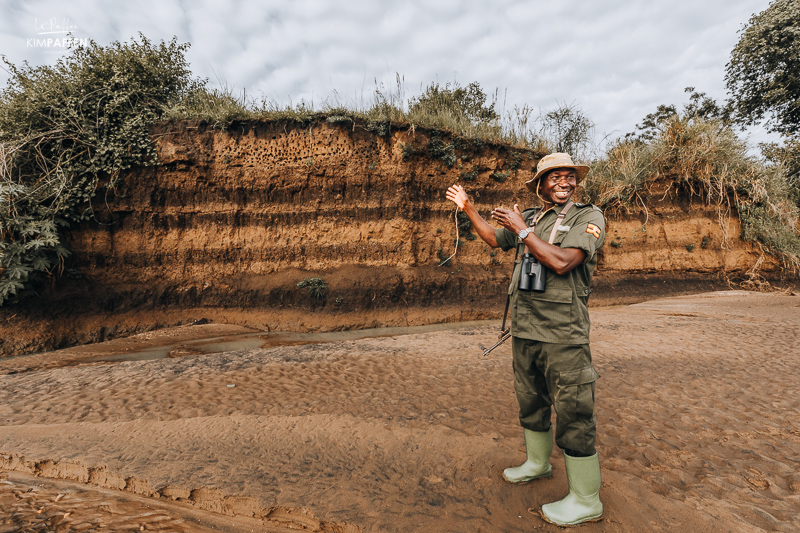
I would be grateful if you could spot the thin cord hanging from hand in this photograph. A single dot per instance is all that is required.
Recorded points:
(455, 218)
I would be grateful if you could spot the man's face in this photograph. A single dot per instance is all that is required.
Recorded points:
(557, 187)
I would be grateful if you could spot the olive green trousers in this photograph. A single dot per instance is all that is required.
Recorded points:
(561, 376)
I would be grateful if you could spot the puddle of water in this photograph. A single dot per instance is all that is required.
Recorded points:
(151, 354)
(252, 341)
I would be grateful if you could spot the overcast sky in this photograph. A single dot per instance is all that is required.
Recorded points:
(616, 60)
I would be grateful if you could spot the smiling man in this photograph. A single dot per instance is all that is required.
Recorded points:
(557, 246)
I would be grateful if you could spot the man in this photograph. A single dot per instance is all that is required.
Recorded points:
(550, 330)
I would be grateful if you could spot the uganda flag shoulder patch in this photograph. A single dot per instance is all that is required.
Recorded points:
(594, 230)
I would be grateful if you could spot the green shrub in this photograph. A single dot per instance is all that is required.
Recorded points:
(441, 150)
(500, 176)
(703, 157)
(705, 160)
(339, 119)
(408, 151)
(379, 128)
(66, 132)
(469, 176)
(464, 223)
(760, 223)
(516, 160)
(316, 287)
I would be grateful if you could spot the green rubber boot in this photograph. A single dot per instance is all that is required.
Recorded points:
(539, 445)
(582, 504)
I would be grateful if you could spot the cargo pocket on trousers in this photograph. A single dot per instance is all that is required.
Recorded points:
(577, 390)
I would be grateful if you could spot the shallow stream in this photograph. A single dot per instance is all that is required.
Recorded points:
(251, 341)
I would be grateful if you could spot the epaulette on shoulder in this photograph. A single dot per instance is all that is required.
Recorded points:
(584, 206)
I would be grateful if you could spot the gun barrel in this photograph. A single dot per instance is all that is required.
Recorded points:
(503, 338)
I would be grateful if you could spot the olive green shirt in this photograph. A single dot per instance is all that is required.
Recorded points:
(560, 314)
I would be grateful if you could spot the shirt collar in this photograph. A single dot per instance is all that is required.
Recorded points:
(559, 208)
(538, 215)
(556, 209)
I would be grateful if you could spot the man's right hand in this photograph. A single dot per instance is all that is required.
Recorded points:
(457, 194)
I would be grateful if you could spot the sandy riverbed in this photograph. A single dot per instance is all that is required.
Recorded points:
(698, 430)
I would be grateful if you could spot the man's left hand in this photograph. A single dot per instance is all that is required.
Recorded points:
(511, 220)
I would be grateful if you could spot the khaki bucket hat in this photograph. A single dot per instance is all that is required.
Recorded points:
(552, 162)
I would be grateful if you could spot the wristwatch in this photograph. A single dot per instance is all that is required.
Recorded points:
(523, 234)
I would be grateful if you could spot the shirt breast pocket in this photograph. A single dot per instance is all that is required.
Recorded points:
(559, 238)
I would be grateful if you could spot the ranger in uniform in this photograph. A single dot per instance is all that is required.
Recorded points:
(550, 329)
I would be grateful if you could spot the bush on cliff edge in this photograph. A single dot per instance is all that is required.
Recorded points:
(705, 158)
(66, 132)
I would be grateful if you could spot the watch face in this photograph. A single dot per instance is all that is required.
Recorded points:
(523, 233)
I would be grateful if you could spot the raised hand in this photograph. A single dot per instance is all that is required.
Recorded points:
(457, 194)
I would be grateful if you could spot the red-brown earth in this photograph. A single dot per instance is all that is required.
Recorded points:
(228, 222)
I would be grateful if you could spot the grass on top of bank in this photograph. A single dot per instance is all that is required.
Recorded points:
(704, 159)
(466, 112)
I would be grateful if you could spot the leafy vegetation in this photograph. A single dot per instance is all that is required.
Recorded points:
(763, 74)
(469, 103)
(464, 112)
(441, 150)
(699, 106)
(697, 150)
(66, 132)
(500, 176)
(788, 157)
(570, 130)
(464, 223)
(705, 159)
(316, 287)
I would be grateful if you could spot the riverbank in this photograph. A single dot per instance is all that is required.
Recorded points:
(696, 413)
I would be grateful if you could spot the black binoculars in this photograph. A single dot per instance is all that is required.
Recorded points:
(532, 274)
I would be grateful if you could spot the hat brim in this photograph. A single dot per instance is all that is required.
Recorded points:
(580, 170)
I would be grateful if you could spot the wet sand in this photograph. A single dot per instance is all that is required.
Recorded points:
(698, 430)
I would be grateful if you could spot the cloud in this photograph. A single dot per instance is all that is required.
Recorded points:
(617, 60)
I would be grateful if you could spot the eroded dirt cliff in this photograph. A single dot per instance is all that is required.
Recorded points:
(228, 223)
